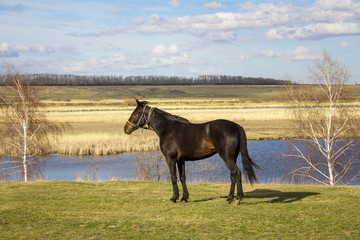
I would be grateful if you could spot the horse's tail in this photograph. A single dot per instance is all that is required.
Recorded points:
(248, 164)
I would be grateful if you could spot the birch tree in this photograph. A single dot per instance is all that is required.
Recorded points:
(328, 153)
(24, 130)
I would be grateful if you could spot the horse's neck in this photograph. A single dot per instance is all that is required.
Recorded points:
(161, 119)
(158, 121)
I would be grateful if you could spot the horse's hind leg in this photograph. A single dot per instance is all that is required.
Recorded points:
(240, 193)
(181, 167)
(235, 176)
(232, 188)
(235, 180)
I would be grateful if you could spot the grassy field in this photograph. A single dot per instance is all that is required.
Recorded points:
(141, 210)
(221, 95)
(97, 114)
(242, 93)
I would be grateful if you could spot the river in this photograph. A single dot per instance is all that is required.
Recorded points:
(268, 154)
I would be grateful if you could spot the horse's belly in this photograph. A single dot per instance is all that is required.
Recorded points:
(195, 143)
(197, 153)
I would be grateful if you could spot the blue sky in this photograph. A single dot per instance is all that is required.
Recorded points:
(177, 37)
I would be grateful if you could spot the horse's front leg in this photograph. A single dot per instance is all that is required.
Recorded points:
(181, 167)
(172, 167)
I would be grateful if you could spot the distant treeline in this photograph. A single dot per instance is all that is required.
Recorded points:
(93, 80)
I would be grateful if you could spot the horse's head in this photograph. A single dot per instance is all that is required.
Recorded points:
(137, 118)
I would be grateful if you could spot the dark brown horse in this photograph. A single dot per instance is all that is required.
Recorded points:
(182, 141)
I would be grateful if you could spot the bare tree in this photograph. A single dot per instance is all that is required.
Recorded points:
(24, 130)
(90, 172)
(327, 153)
(151, 167)
(205, 171)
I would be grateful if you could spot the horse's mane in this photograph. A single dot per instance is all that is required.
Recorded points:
(172, 117)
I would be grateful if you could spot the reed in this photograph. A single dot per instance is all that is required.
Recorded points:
(100, 133)
(97, 125)
(236, 115)
(104, 144)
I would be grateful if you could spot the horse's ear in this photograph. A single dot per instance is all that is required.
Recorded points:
(139, 103)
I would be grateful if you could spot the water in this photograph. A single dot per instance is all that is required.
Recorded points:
(267, 154)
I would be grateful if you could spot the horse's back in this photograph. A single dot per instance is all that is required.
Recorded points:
(224, 127)
(225, 135)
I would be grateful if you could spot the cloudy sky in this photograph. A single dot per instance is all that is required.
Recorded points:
(177, 37)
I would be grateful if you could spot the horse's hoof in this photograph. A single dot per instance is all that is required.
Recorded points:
(184, 200)
(173, 199)
(237, 202)
(229, 199)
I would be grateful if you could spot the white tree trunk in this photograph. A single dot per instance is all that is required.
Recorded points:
(25, 154)
(331, 175)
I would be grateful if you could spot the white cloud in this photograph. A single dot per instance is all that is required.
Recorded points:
(19, 48)
(336, 4)
(267, 53)
(117, 57)
(213, 5)
(161, 50)
(331, 11)
(206, 71)
(174, 59)
(221, 36)
(170, 55)
(323, 19)
(174, 3)
(244, 57)
(301, 53)
(18, 8)
(344, 44)
(217, 26)
(314, 31)
(68, 49)
(4, 46)
(75, 67)
(90, 66)
(162, 56)
(111, 48)
(14, 50)
(40, 48)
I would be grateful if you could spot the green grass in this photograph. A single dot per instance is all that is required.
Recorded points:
(141, 210)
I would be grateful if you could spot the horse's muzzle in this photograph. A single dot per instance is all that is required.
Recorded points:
(128, 128)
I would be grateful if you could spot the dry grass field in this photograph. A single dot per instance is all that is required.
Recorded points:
(101, 132)
(97, 114)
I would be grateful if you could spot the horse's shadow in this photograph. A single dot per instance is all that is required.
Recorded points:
(270, 196)
(275, 196)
